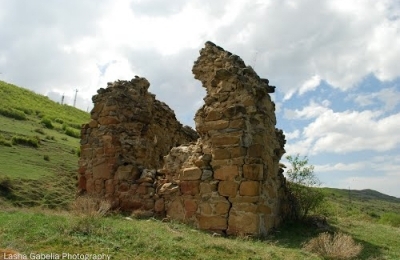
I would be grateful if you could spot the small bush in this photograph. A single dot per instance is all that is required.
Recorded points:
(13, 113)
(391, 219)
(73, 133)
(27, 141)
(25, 110)
(90, 206)
(50, 137)
(78, 152)
(39, 130)
(338, 246)
(5, 186)
(4, 142)
(58, 120)
(47, 123)
(46, 158)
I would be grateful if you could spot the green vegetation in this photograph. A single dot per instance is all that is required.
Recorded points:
(39, 213)
(12, 113)
(301, 183)
(28, 141)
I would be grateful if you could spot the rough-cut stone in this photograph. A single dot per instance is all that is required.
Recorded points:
(225, 177)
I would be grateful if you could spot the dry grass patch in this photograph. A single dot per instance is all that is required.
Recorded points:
(337, 246)
(90, 206)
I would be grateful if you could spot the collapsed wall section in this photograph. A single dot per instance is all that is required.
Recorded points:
(230, 180)
(129, 132)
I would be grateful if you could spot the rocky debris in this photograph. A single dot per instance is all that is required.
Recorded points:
(225, 177)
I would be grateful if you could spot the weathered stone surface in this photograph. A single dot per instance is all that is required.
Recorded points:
(250, 188)
(253, 171)
(228, 188)
(226, 173)
(213, 222)
(225, 178)
(191, 174)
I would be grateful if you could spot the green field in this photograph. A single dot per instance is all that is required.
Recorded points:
(37, 189)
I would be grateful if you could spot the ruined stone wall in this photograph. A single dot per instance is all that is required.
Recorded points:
(129, 131)
(228, 181)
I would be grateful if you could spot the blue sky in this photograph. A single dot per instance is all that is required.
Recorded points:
(334, 63)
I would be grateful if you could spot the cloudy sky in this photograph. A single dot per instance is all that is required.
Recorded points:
(336, 65)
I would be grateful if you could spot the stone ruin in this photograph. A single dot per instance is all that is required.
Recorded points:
(224, 178)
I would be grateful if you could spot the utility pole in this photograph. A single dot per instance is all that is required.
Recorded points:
(255, 59)
(76, 93)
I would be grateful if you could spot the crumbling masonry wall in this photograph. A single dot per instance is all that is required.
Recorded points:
(226, 180)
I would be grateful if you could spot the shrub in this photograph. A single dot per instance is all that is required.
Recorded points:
(338, 246)
(391, 219)
(58, 120)
(4, 142)
(90, 206)
(25, 110)
(47, 123)
(5, 185)
(301, 184)
(46, 158)
(27, 141)
(73, 133)
(13, 113)
(39, 130)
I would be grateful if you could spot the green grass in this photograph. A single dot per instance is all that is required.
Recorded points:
(128, 239)
(13, 97)
(35, 180)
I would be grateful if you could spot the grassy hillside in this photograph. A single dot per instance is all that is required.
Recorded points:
(39, 147)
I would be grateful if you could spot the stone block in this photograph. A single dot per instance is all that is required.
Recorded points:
(226, 173)
(250, 188)
(108, 120)
(207, 174)
(124, 172)
(213, 115)
(159, 205)
(228, 188)
(190, 207)
(102, 171)
(212, 222)
(109, 186)
(189, 187)
(256, 150)
(245, 207)
(220, 154)
(175, 210)
(266, 210)
(253, 172)
(237, 123)
(222, 207)
(226, 139)
(191, 174)
(205, 209)
(215, 125)
(238, 151)
(241, 223)
(206, 187)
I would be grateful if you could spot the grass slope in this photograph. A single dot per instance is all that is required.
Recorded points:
(37, 175)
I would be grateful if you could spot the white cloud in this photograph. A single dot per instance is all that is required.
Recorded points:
(313, 110)
(343, 132)
(292, 135)
(389, 97)
(310, 84)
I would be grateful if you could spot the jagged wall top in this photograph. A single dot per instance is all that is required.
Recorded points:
(215, 64)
